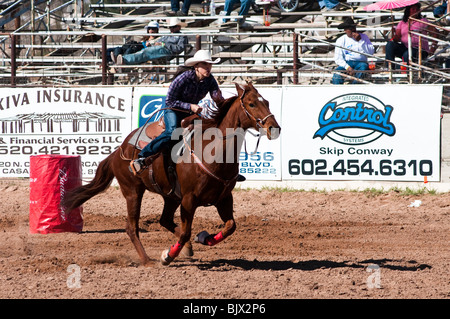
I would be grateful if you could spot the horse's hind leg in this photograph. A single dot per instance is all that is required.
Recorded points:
(166, 220)
(133, 197)
(225, 210)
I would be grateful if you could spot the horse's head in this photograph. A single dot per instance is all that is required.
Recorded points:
(256, 111)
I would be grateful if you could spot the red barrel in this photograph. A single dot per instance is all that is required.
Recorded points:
(51, 176)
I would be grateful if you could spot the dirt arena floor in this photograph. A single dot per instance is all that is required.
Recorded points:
(288, 245)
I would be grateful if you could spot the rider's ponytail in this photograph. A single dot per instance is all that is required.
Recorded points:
(181, 69)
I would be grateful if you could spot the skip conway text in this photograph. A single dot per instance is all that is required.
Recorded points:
(231, 308)
(355, 151)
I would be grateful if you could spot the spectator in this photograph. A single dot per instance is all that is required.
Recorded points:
(175, 6)
(442, 10)
(243, 11)
(134, 46)
(152, 27)
(166, 46)
(398, 46)
(330, 5)
(348, 51)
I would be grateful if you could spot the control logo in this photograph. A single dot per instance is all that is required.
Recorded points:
(148, 105)
(355, 119)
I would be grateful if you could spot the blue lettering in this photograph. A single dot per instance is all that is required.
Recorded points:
(150, 108)
(355, 117)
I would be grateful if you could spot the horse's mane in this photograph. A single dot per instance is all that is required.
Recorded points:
(219, 113)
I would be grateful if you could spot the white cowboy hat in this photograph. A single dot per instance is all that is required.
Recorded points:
(152, 24)
(201, 56)
(174, 21)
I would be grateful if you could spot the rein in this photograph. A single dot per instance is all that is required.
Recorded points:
(226, 182)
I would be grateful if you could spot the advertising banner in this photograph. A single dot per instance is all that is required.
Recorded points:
(386, 132)
(89, 122)
(354, 132)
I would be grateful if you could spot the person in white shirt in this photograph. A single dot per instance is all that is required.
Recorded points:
(347, 54)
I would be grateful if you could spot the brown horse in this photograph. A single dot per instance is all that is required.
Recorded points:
(201, 183)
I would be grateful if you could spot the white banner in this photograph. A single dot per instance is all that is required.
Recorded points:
(90, 122)
(355, 132)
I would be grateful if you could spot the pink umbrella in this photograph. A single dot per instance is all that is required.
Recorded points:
(389, 4)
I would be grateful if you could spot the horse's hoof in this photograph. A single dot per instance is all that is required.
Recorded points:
(148, 263)
(187, 252)
(165, 258)
(201, 237)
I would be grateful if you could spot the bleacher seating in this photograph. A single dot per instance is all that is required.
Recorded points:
(66, 46)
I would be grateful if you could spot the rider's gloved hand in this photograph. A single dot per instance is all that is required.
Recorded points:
(196, 109)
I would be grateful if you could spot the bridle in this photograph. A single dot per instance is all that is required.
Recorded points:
(259, 122)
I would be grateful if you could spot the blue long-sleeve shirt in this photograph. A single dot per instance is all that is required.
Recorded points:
(186, 90)
(175, 42)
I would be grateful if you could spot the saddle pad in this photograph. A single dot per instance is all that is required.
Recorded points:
(140, 138)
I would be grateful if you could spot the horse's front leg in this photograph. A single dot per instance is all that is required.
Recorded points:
(225, 209)
(187, 210)
(170, 206)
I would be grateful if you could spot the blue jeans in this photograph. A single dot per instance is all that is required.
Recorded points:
(147, 54)
(440, 10)
(124, 50)
(395, 49)
(330, 4)
(172, 120)
(243, 11)
(175, 6)
(356, 65)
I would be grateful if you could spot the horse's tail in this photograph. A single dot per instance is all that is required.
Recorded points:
(101, 181)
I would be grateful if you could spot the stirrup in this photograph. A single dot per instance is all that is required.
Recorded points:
(137, 166)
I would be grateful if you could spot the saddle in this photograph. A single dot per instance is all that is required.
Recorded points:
(148, 133)
(154, 129)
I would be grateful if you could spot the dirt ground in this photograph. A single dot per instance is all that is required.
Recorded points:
(288, 245)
